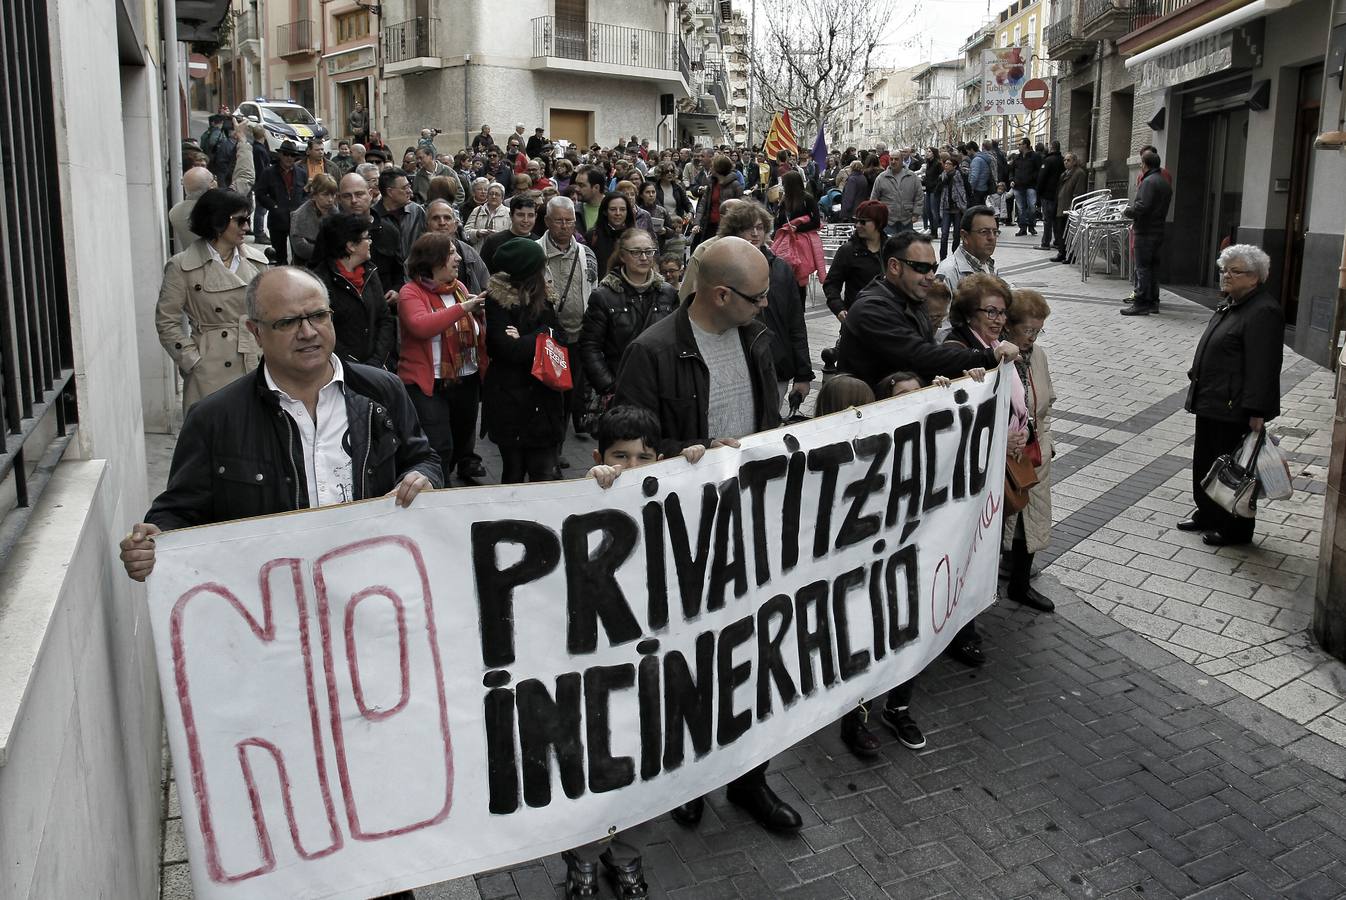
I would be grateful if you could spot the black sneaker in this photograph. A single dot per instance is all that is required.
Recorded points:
(904, 726)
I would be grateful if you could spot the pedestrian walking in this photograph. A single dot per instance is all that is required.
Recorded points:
(366, 331)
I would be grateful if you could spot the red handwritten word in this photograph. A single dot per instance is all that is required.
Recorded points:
(418, 671)
(954, 581)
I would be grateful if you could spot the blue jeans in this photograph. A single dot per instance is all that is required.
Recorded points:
(1025, 204)
(951, 227)
(930, 214)
(900, 227)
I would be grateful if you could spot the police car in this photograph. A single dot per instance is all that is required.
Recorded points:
(284, 120)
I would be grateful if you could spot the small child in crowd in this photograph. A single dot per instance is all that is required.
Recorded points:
(996, 200)
(670, 266)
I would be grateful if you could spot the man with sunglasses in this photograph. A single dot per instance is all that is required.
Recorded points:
(707, 372)
(302, 430)
(976, 247)
(888, 329)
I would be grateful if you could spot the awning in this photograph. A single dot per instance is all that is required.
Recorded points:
(1253, 10)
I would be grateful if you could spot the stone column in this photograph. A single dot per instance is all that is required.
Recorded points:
(1329, 606)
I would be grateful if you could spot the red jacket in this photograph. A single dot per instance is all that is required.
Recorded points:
(422, 316)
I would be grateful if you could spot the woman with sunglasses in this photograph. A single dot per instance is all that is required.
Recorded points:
(629, 299)
(978, 315)
(207, 282)
(366, 329)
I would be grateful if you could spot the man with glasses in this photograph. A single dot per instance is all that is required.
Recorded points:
(888, 329)
(975, 250)
(472, 272)
(572, 269)
(714, 356)
(287, 436)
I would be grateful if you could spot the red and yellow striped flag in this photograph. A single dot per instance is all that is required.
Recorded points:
(781, 136)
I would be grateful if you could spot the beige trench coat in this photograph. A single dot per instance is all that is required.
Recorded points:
(212, 347)
(1037, 515)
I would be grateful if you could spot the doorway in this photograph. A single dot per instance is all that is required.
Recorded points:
(301, 92)
(573, 125)
(348, 92)
(1301, 187)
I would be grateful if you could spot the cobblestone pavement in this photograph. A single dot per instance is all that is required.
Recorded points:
(1172, 731)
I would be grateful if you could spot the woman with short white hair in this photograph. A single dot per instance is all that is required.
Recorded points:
(486, 220)
(1235, 382)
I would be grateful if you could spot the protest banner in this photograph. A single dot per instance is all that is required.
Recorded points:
(363, 698)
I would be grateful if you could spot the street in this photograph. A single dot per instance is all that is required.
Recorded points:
(1170, 731)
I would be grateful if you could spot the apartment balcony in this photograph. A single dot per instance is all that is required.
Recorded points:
(1151, 22)
(1105, 19)
(617, 51)
(248, 31)
(297, 39)
(969, 112)
(1064, 39)
(717, 11)
(713, 87)
(411, 46)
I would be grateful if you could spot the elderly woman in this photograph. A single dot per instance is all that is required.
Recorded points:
(476, 196)
(207, 283)
(1235, 382)
(488, 218)
(784, 312)
(977, 316)
(304, 224)
(1030, 531)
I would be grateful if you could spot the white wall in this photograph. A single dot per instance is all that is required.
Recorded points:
(81, 729)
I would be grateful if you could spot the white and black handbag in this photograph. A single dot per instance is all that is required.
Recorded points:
(1232, 485)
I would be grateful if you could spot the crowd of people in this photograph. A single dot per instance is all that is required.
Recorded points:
(421, 287)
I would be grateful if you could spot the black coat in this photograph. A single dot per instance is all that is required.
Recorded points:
(366, 329)
(518, 409)
(663, 371)
(1049, 175)
(1150, 208)
(240, 455)
(680, 201)
(730, 189)
(887, 331)
(784, 318)
(810, 209)
(853, 267)
(1236, 372)
(616, 315)
(276, 200)
(1024, 170)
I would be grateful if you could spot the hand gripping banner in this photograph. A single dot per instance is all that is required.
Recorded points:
(363, 698)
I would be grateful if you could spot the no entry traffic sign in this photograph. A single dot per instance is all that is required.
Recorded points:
(1035, 93)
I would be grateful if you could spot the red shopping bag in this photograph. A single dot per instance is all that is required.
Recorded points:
(793, 247)
(551, 363)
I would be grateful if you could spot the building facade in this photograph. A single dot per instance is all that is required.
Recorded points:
(930, 117)
(585, 70)
(706, 116)
(736, 49)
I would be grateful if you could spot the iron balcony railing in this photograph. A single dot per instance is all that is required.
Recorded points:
(1090, 10)
(300, 36)
(614, 45)
(37, 386)
(1143, 12)
(715, 84)
(1058, 33)
(246, 24)
(411, 39)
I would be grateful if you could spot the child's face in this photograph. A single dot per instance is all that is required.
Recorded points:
(1000, 186)
(672, 272)
(630, 454)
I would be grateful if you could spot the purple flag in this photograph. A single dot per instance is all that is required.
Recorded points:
(820, 151)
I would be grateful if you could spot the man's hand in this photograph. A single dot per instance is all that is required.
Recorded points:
(605, 475)
(411, 484)
(511, 332)
(693, 453)
(1255, 423)
(803, 388)
(138, 550)
(841, 316)
(1006, 352)
(724, 442)
(943, 380)
(978, 374)
(390, 296)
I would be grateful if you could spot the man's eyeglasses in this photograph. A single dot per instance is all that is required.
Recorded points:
(920, 268)
(290, 323)
(987, 232)
(992, 312)
(640, 252)
(754, 299)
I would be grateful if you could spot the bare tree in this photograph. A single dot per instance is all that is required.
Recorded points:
(813, 56)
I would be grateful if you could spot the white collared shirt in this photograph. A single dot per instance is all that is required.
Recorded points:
(327, 464)
(232, 265)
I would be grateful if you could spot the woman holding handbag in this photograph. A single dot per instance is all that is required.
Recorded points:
(524, 417)
(797, 224)
(1235, 385)
(1030, 530)
(978, 316)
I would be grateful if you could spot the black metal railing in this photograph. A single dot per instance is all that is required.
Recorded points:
(716, 84)
(36, 357)
(300, 36)
(1090, 10)
(598, 42)
(246, 23)
(409, 40)
(1058, 32)
(1143, 12)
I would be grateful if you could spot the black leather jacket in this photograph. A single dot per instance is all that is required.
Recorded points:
(616, 314)
(240, 454)
(1236, 371)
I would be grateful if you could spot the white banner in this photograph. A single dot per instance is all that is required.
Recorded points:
(363, 698)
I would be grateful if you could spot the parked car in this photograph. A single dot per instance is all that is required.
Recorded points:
(284, 120)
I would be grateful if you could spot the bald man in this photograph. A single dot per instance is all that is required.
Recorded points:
(285, 436)
(688, 286)
(195, 182)
(707, 372)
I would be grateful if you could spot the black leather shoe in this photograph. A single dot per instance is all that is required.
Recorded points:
(769, 810)
(1059, 258)
(1215, 539)
(967, 652)
(689, 813)
(855, 734)
(1139, 309)
(1191, 525)
(1035, 598)
(471, 469)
